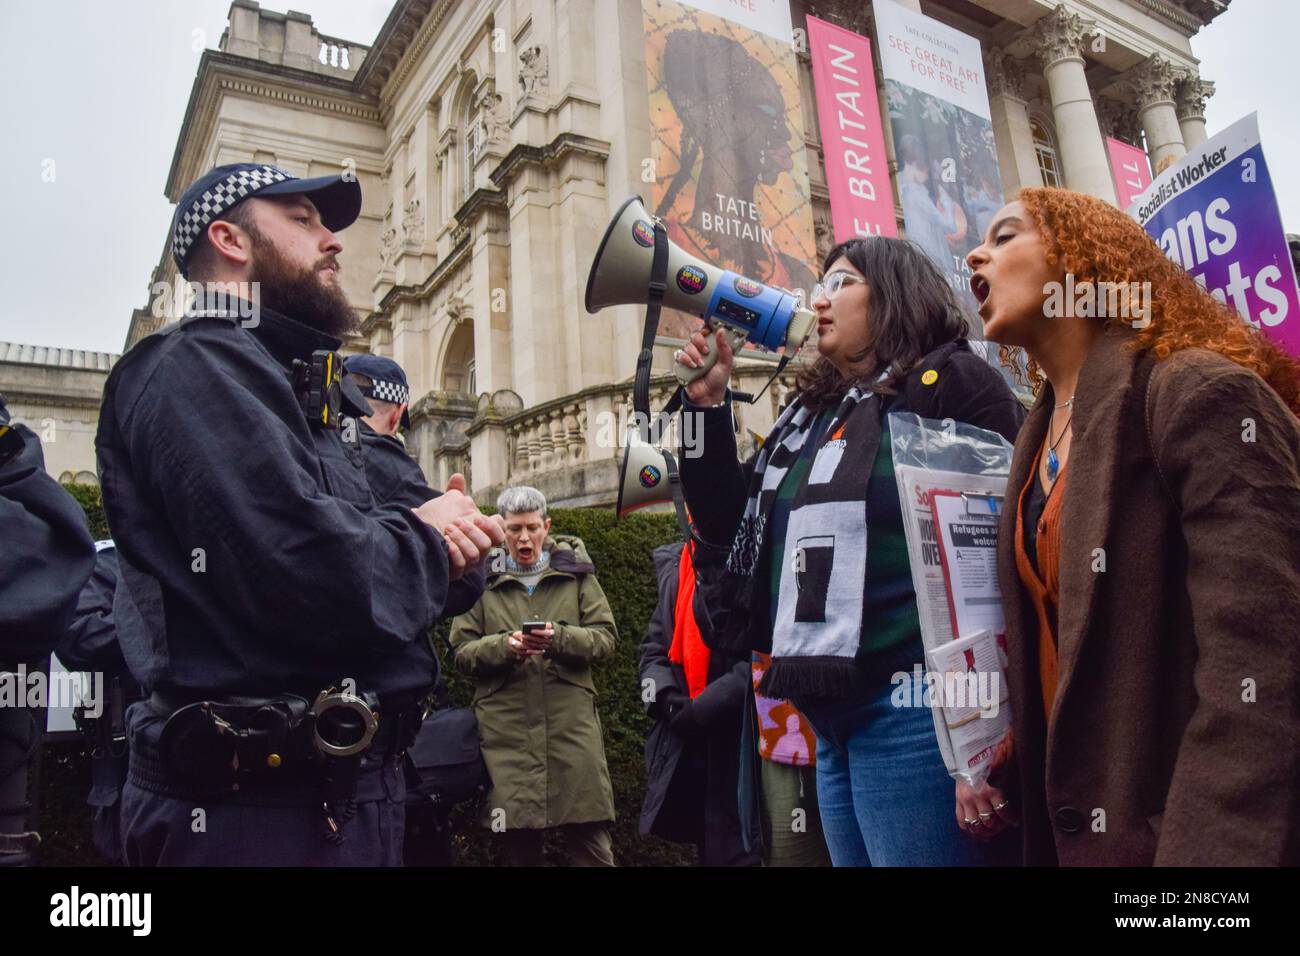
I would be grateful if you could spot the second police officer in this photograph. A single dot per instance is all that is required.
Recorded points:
(276, 614)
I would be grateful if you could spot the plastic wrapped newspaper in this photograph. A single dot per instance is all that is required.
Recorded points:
(951, 481)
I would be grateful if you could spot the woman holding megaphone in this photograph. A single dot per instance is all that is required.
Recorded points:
(801, 550)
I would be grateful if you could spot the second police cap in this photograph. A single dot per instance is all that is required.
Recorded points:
(216, 192)
(388, 381)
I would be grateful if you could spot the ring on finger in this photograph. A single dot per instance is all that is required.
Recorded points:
(986, 816)
(972, 823)
(1003, 805)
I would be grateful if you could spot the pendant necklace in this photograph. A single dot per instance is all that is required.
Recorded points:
(1053, 462)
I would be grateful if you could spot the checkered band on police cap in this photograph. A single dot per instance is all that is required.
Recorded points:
(215, 200)
(393, 392)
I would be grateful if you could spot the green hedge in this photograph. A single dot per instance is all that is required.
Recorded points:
(620, 549)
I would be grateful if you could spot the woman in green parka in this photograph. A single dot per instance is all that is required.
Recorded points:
(533, 693)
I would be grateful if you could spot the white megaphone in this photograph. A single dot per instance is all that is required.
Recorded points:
(621, 274)
(646, 476)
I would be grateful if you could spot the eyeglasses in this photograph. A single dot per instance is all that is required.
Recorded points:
(832, 283)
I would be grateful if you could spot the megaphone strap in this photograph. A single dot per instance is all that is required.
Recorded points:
(679, 499)
(658, 286)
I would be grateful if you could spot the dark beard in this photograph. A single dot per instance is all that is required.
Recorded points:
(299, 293)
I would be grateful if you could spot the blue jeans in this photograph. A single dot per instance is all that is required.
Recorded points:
(885, 797)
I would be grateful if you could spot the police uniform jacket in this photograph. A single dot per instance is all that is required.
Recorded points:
(90, 643)
(253, 557)
(46, 555)
(396, 478)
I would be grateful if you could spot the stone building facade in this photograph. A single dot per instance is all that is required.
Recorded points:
(494, 138)
(56, 393)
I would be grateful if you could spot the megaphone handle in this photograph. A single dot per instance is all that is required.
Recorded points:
(687, 375)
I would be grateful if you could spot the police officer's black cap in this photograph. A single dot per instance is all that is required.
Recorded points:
(216, 192)
(387, 380)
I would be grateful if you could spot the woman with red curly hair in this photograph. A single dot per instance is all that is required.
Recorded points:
(1149, 555)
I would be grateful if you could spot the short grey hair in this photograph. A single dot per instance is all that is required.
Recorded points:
(520, 499)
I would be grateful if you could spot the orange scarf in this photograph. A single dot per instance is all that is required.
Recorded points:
(688, 648)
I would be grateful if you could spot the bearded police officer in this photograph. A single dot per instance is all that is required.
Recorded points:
(274, 612)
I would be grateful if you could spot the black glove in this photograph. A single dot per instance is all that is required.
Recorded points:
(679, 714)
(666, 703)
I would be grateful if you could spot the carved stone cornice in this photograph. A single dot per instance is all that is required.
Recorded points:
(1190, 15)
(1152, 81)
(1004, 74)
(416, 293)
(376, 322)
(223, 74)
(396, 37)
(523, 155)
(22, 396)
(1060, 35)
(1190, 95)
(299, 98)
(481, 201)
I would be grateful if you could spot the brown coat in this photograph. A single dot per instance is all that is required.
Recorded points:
(1175, 733)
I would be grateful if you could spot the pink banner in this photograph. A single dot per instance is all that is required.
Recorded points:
(1130, 169)
(857, 170)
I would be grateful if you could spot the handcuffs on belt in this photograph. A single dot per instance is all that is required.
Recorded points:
(215, 746)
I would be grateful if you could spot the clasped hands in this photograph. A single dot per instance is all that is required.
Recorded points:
(469, 534)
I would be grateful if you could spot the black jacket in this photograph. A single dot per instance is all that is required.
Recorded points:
(46, 554)
(90, 643)
(693, 750)
(396, 478)
(716, 484)
(253, 558)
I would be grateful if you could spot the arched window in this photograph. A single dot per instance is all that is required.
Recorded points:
(1049, 160)
(458, 360)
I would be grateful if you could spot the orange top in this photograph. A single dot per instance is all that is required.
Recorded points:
(1044, 581)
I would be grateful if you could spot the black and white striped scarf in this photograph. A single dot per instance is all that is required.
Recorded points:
(818, 620)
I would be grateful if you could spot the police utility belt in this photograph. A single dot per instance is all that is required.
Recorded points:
(215, 745)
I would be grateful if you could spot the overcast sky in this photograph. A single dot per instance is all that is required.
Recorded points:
(100, 89)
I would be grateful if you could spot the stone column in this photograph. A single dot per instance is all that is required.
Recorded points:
(1189, 101)
(1015, 141)
(1152, 82)
(1059, 38)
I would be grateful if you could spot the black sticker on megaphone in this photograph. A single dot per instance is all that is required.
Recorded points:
(649, 476)
(643, 233)
(691, 279)
(747, 287)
